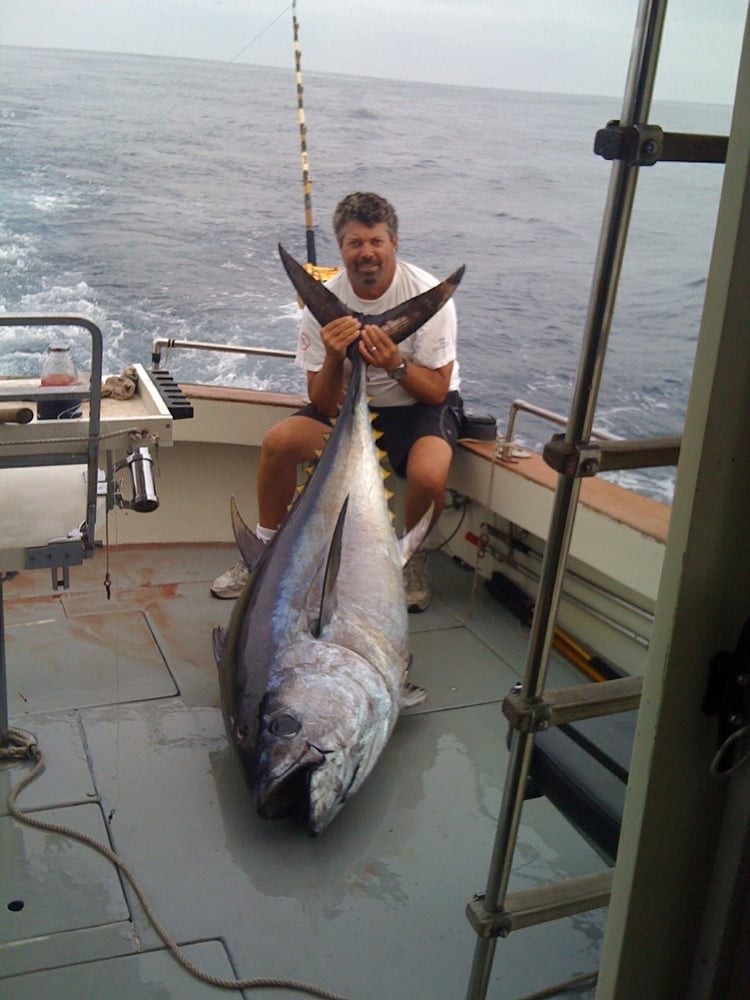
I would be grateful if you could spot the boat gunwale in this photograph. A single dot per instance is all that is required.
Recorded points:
(643, 514)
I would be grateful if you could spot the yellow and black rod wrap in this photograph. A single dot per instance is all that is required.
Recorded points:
(306, 180)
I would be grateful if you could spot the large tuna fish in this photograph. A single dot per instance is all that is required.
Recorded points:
(313, 667)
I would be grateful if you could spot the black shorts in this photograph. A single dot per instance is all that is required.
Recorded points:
(403, 425)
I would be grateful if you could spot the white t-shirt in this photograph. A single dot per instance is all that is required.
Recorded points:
(432, 345)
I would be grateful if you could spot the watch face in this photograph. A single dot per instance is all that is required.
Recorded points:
(399, 371)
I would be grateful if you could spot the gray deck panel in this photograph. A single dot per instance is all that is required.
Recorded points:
(457, 669)
(181, 618)
(375, 906)
(460, 599)
(50, 951)
(151, 975)
(63, 885)
(92, 660)
(395, 869)
(67, 778)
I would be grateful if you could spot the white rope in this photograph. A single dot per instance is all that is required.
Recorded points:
(130, 431)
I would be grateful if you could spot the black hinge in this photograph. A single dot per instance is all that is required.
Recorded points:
(728, 693)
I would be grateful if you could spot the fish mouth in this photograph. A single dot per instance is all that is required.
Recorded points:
(288, 794)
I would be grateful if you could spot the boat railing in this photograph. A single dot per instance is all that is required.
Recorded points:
(508, 442)
(166, 344)
(586, 459)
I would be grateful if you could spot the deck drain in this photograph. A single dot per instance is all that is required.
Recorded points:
(16, 905)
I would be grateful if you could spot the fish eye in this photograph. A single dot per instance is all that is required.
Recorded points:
(284, 724)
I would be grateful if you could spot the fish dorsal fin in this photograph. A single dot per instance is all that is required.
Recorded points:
(328, 598)
(409, 544)
(250, 546)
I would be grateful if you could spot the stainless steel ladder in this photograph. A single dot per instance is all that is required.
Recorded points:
(630, 144)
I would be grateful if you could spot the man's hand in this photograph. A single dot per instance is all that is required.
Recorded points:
(338, 334)
(378, 349)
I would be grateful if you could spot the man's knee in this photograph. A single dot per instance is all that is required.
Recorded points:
(276, 441)
(429, 481)
(429, 463)
(294, 439)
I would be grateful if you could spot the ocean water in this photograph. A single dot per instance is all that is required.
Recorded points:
(150, 195)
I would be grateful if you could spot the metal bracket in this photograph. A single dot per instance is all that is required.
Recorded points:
(57, 555)
(488, 924)
(635, 145)
(524, 714)
(572, 460)
(587, 458)
(644, 145)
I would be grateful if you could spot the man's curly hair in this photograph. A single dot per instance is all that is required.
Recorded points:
(367, 208)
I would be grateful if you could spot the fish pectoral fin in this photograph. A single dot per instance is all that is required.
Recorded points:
(412, 694)
(250, 546)
(410, 542)
(328, 598)
(219, 637)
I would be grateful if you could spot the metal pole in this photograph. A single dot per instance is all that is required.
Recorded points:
(4, 739)
(636, 104)
(306, 179)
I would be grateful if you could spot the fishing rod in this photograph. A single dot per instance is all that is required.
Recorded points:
(306, 179)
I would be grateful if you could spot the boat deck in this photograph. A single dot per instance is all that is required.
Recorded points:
(122, 696)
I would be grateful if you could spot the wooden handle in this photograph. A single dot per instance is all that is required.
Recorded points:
(16, 414)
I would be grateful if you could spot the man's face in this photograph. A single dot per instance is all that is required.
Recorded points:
(369, 256)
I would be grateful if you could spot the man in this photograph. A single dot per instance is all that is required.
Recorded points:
(414, 386)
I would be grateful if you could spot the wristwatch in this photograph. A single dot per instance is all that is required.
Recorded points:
(399, 371)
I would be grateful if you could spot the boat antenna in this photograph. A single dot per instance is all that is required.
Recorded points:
(306, 179)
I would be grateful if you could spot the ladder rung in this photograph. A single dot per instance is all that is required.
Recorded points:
(587, 458)
(560, 705)
(559, 899)
(589, 701)
(540, 905)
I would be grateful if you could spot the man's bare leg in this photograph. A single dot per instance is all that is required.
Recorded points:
(290, 443)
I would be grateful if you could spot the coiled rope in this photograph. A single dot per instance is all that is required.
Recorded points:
(23, 746)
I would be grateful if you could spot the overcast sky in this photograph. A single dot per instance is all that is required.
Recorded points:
(568, 46)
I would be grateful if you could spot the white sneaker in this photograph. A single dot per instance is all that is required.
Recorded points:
(417, 582)
(232, 583)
